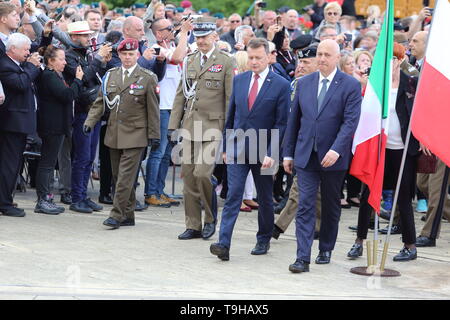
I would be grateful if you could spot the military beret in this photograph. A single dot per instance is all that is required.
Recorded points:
(186, 4)
(118, 10)
(95, 5)
(138, 6)
(283, 9)
(301, 42)
(203, 10)
(203, 26)
(128, 45)
(180, 9)
(219, 15)
(309, 52)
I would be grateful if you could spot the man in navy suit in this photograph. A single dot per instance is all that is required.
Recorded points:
(17, 114)
(324, 116)
(259, 101)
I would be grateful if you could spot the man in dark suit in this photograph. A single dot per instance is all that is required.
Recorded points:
(323, 119)
(18, 114)
(259, 101)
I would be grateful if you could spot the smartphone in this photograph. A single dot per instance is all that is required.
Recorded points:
(157, 51)
(348, 37)
(262, 4)
(279, 20)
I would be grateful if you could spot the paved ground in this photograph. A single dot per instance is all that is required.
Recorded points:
(72, 256)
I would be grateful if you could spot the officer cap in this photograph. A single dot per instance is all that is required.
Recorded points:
(128, 45)
(301, 42)
(309, 52)
(204, 26)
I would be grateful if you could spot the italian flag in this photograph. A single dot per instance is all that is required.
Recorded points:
(431, 113)
(369, 143)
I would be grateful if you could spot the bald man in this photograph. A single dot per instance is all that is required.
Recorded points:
(269, 19)
(417, 46)
(291, 23)
(318, 141)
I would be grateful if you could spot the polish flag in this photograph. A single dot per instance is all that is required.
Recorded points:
(431, 114)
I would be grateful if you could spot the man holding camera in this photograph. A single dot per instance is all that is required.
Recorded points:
(130, 92)
(84, 145)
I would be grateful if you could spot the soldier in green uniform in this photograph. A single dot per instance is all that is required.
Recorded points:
(131, 95)
(201, 105)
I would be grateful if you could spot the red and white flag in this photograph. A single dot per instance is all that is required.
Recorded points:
(430, 120)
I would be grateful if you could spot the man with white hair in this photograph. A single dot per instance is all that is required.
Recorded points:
(243, 35)
(318, 143)
(235, 21)
(18, 70)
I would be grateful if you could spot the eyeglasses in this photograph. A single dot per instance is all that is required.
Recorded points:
(235, 21)
(168, 28)
(332, 13)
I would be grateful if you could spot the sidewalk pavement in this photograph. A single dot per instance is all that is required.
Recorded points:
(73, 256)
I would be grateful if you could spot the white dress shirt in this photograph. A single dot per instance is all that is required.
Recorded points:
(208, 55)
(262, 78)
(130, 71)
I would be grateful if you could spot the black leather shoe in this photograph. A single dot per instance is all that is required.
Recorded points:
(66, 198)
(112, 223)
(260, 248)
(299, 266)
(316, 235)
(14, 212)
(386, 215)
(220, 251)
(355, 252)
(424, 218)
(353, 203)
(396, 229)
(94, 206)
(406, 254)
(324, 257)
(105, 199)
(190, 234)
(127, 223)
(208, 230)
(140, 207)
(425, 242)
(81, 207)
(353, 228)
(345, 206)
(276, 232)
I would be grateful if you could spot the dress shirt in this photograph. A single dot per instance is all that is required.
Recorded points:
(208, 55)
(262, 78)
(130, 71)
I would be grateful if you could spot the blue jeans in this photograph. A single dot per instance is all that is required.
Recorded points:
(159, 160)
(83, 155)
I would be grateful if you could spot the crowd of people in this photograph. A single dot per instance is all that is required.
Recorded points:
(100, 93)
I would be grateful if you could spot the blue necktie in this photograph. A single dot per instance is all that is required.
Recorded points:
(322, 94)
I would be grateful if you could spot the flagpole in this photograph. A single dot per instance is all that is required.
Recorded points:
(402, 166)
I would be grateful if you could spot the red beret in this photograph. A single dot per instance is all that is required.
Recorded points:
(128, 45)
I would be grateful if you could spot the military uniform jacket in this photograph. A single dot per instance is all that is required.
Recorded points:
(212, 93)
(135, 119)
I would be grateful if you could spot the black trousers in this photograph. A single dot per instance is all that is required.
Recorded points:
(12, 146)
(51, 145)
(353, 187)
(105, 165)
(406, 195)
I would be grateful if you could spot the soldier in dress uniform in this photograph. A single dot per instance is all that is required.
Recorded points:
(201, 104)
(131, 94)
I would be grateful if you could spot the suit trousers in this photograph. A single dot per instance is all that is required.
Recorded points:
(105, 165)
(51, 145)
(309, 179)
(65, 165)
(432, 190)
(290, 210)
(12, 146)
(197, 166)
(237, 174)
(125, 165)
(405, 196)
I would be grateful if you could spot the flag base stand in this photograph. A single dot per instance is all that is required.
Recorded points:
(374, 271)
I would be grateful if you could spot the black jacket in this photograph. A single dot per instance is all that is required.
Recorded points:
(404, 106)
(76, 57)
(55, 103)
(18, 112)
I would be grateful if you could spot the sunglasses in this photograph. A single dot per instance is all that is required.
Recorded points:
(168, 28)
(332, 13)
(235, 21)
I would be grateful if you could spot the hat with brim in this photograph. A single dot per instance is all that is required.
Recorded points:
(79, 27)
(204, 26)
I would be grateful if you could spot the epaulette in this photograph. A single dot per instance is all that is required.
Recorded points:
(113, 69)
(192, 53)
(150, 72)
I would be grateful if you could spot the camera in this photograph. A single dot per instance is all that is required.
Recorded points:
(157, 51)
(367, 71)
(262, 4)
(307, 8)
(348, 37)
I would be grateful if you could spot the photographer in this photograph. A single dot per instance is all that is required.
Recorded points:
(84, 145)
(54, 118)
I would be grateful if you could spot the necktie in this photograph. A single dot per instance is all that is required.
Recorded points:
(322, 94)
(126, 76)
(94, 44)
(204, 59)
(253, 92)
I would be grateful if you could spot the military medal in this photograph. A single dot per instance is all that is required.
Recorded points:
(216, 68)
(131, 91)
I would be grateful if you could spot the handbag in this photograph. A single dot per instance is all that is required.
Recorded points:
(426, 164)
